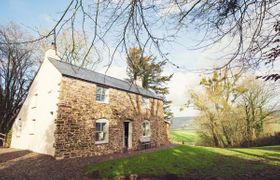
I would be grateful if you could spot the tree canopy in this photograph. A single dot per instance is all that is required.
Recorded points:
(151, 74)
(17, 66)
(233, 111)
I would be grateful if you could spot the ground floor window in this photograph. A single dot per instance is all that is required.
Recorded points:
(19, 127)
(101, 131)
(146, 128)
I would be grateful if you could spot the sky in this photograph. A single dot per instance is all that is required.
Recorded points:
(34, 14)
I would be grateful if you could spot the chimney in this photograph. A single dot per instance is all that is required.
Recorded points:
(52, 52)
(138, 82)
(53, 46)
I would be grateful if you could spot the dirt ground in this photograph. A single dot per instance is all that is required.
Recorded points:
(24, 164)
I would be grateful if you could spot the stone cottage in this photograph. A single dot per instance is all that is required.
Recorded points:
(71, 112)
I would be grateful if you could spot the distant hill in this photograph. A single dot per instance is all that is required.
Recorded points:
(182, 122)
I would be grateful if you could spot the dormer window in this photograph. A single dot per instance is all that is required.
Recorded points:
(145, 102)
(102, 94)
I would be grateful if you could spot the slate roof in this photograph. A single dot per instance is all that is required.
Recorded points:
(73, 71)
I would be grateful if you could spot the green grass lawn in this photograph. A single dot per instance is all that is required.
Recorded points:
(196, 162)
(188, 137)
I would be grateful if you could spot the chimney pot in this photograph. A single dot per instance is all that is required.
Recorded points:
(53, 46)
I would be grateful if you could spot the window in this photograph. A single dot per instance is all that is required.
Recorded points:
(101, 94)
(32, 127)
(19, 127)
(145, 102)
(34, 101)
(101, 131)
(146, 128)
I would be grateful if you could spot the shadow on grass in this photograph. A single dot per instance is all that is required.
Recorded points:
(268, 156)
(269, 148)
(22, 164)
(180, 162)
(184, 162)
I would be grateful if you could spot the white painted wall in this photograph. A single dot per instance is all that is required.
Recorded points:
(34, 126)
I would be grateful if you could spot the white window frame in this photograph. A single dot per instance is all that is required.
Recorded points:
(106, 98)
(149, 128)
(145, 102)
(106, 139)
(146, 137)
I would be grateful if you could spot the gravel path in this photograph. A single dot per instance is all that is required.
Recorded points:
(23, 164)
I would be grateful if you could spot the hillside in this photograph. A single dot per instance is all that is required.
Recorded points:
(182, 123)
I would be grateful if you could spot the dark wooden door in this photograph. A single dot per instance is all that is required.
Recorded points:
(126, 134)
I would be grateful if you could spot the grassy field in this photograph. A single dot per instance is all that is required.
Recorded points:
(188, 137)
(196, 162)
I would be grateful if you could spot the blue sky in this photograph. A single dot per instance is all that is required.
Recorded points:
(40, 15)
(30, 12)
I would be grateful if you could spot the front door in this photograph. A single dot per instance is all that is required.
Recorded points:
(127, 135)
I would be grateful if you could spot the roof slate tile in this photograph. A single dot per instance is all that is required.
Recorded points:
(73, 71)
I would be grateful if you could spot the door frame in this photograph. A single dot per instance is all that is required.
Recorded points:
(129, 134)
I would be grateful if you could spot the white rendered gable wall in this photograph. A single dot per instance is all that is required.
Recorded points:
(34, 126)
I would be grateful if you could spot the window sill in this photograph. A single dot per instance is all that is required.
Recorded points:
(101, 142)
(103, 102)
(145, 138)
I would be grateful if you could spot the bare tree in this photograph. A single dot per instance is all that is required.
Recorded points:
(17, 67)
(113, 25)
(248, 25)
(258, 105)
(116, 25)
(70, 52)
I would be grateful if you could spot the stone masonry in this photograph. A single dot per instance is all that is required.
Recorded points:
(78, 111)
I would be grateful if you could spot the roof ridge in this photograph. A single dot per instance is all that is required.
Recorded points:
(96, 72)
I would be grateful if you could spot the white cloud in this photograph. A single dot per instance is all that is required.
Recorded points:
(47, 18)
(178, 86)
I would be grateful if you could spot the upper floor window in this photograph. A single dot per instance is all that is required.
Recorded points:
(146, 129)
(101, 131)
(145, 102)
(101, 94)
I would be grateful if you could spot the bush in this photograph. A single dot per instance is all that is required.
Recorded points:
(266, 140)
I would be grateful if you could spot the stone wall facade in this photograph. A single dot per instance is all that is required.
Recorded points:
(78, 112)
